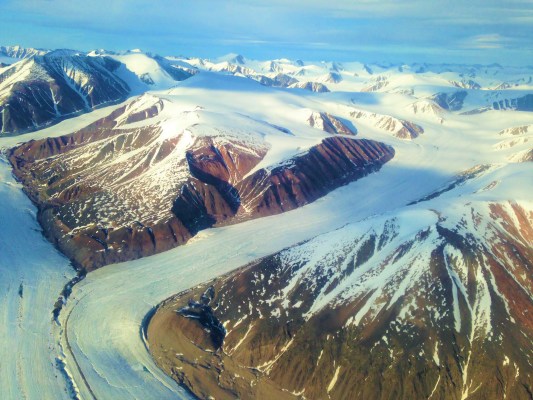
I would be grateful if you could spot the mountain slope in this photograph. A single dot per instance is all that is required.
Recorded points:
(434, 302)
(152, 174)
(18, 52)
(43, 89)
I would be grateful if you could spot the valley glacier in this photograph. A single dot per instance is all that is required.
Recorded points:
(97, 350)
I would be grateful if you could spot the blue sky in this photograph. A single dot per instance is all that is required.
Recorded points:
(469, 31)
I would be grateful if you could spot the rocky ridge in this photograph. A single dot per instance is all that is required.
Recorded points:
(134, 183)
(42, 89)
(416, 299)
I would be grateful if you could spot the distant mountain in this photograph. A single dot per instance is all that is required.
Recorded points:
(143, 71)
(42, 89)
(311, 86)
(330, 123)
(436, 81)
(17, 52)
(232, 58)
(523, 103)
(400, 128)
(450, 101)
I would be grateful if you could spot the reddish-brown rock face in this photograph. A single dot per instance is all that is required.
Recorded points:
(333, 163)
(438, 309)
(118, 190)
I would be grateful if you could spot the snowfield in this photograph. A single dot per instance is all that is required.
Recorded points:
(32, 274)
(100, 341)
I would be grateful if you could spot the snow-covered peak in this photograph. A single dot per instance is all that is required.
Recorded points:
(18, 52)
(145, 72)
(428, 109)
(232, 58)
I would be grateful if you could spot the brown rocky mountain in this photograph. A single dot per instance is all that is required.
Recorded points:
(424, 304)
(399, 128)
(44, 88)
(146, 178)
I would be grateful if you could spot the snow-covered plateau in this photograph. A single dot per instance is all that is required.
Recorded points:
(461, 142)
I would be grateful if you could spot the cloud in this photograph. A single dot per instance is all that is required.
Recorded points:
(495, 41)
(347, 29)
(488, 41)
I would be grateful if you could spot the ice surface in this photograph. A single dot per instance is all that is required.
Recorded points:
(106, 355)
(32, 274)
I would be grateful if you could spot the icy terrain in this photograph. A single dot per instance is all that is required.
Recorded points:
(108, 308)
(32, 275)
(100, 333)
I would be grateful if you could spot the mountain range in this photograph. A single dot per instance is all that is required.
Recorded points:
(279, 228)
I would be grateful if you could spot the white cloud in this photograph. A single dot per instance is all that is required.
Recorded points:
(488, 41)
(496, 42)
(381, 27)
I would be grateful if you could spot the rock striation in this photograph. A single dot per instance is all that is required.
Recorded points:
(129, 186)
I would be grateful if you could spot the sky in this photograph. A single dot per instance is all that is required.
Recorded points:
(465, 31)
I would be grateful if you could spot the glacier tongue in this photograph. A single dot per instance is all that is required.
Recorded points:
(32, 275)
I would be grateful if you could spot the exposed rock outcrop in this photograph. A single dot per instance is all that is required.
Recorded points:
(434, 304)
(524, 103)
(466, 84)
(333, 77)
(401, 129)
(329, 123)
(376, 84)
(517, 130)
(450, 101)
(427, 108)
(117, 190)
(311, 86)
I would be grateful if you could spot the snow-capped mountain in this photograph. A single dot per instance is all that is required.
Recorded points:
(42, 89)
(433, 296)
(436, 302)
(453, 87)
(311, 86)
(11, 54)
(400, 128)
(157, 170)
(39, 90)
(153, 71)
(418, 79)
(379, 217)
